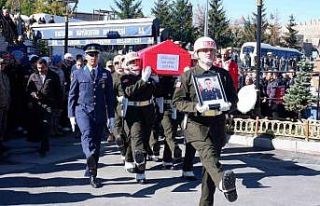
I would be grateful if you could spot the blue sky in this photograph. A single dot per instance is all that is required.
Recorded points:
(303, 10)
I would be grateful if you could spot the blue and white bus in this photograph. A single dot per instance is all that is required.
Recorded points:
(250, 48)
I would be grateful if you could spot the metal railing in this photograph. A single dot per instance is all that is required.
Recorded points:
(307, 129)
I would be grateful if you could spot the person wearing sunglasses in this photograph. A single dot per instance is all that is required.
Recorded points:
(90, 106)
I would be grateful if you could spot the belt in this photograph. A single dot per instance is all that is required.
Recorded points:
(140, 103)
(211, 113)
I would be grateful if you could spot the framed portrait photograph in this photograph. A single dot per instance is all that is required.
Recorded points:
(209, 90)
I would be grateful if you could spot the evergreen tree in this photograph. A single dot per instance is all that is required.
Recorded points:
(218, 24)
(298, 96)
(290, 37)
(182, 28)
(250, 30)
(27, 7)
(2, 3)
(161, 10)
(128, 9)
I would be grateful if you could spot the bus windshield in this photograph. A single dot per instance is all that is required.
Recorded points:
(248, 49)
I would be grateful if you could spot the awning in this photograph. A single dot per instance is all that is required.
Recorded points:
(121, 41)
(111, 29)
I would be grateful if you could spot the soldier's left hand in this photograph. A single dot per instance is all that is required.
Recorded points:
(225, 106)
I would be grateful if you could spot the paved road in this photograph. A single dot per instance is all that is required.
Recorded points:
(265, 178)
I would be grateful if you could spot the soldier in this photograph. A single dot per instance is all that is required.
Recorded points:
(139, 89)
(90, 96)
(118, 131)
(168, 119)
(205, 128)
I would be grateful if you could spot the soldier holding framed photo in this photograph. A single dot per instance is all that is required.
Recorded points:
(205, 128)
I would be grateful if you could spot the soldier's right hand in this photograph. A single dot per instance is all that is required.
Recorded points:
(145, 74)
(202, 108)
(73, 123)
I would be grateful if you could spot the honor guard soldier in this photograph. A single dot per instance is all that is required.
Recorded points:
(118, 130)
(91, 95)
(205, 128)
(168, 119)
(139, 90)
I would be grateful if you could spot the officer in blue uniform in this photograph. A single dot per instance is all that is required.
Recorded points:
(91, 96)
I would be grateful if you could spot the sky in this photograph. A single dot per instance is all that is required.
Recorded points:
(303, 10)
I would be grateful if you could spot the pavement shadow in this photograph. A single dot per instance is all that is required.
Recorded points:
(266, 163)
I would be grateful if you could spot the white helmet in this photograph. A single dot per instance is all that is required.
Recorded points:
(204, 43)
(131, 56)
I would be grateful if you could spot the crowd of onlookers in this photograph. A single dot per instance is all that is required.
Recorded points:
(270, 61)
(16, 101)
(20, 102)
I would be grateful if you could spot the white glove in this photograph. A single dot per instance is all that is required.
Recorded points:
(225, 106)
(146, 72)
(202, 108)
(120, 99)
(110, 124)
(155, 78)
(73, 123)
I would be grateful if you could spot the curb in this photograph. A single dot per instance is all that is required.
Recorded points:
(281, 144)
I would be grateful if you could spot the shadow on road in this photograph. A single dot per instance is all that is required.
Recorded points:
(265, 161)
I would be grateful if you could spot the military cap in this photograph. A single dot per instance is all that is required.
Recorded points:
(92, 48)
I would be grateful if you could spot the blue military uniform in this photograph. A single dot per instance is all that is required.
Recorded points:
(91, 96)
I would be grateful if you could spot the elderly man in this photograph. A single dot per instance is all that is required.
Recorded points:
(45, 94)
(91, 95)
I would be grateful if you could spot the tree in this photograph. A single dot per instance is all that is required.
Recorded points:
(290, 37)
(128, 9)
(237, 37)
(2, 3)
(218, 24)
(250, 30)
(27, 7)
(161, 10)
(182, 28)
(274, 30)
(199, 18)
(298, 96)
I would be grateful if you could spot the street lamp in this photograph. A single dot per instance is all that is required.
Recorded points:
(206, 20)
(66, 20)
(258, 56)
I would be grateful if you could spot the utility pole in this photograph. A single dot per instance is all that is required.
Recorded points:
(258, 56)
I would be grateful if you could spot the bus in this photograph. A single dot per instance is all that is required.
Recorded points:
(250, 48)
